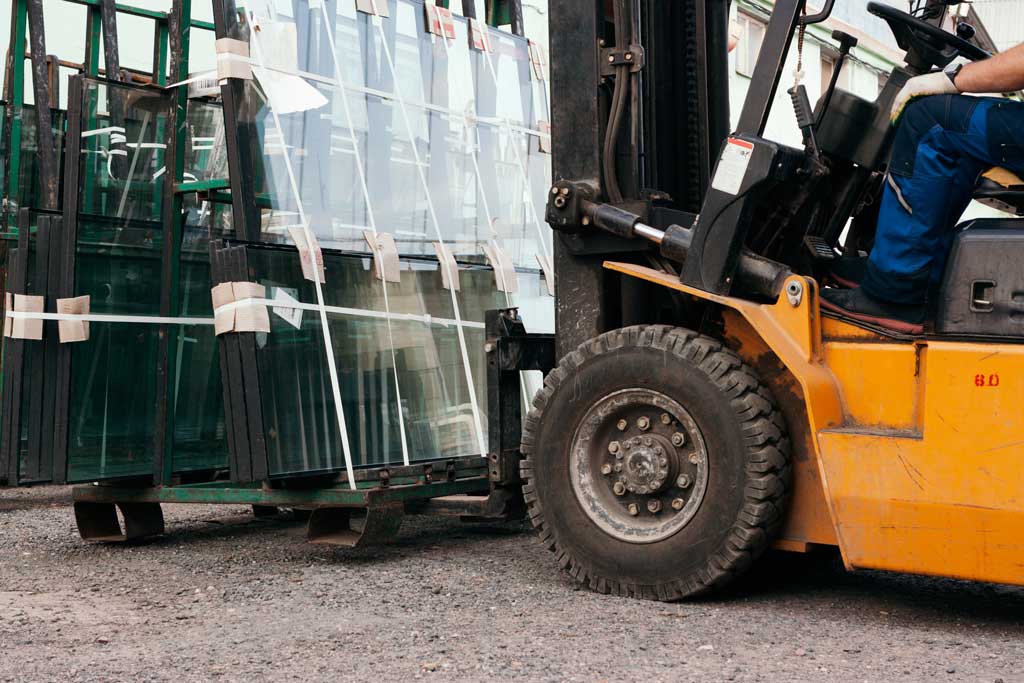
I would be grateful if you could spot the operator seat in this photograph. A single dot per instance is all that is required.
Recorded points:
(1001, 189)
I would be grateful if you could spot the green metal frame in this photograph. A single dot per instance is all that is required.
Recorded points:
(367, 495)
(91, 67)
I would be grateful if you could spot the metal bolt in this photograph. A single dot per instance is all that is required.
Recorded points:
(611, 58)
(641, 489)
(694, 458)
(666, 419)
(618, 467)
(659, 450)
(629, 56)
(663, 462)
(678, 503)
(643, 423)
(564, 192)
(633, 509)
(678, 439)
(654, 505)
(586, 220)
(613, 447)
(560, 202)
(627, 445)
(606, 469)
(648, 441)
(619, 488)
(489, 347)
(622, 425)
(636, 440)
(683, 481)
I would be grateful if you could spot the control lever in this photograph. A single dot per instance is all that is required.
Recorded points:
(804, 116)
(846, 43)
(805, 120)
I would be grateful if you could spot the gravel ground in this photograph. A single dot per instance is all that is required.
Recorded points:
(224, 597)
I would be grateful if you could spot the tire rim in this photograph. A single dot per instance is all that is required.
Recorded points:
(638, 465)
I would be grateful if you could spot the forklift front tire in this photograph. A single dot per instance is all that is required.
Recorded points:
(656, 464)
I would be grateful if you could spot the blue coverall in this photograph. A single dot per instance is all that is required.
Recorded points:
(944, 142)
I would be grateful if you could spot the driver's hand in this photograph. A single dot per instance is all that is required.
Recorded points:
(937, 83)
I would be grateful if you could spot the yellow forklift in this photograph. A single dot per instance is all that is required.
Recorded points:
(705, 408)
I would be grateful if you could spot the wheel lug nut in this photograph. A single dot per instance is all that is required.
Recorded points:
(613, 447)
(654, 506)
(683, 481)
(619, 489)
(666, 419)
(643, 423)
(618, 467)
(694, 458)
(622, 425)
(606, 469)
(633, 509)
(678, 439)
(678, 503)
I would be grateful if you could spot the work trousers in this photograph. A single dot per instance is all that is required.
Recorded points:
(944, 142)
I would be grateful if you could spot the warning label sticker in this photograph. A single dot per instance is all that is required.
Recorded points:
(732, 166)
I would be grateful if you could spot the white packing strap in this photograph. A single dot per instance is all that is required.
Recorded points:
(463, 348)
(108, 318)
(493, 121)
(371, 219)
(210, 322)
(103, 131)
(325, 327)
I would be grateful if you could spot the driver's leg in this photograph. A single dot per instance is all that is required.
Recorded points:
(941, 147)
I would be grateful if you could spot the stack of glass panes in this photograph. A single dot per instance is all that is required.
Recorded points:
(357, 127)
(369, 126)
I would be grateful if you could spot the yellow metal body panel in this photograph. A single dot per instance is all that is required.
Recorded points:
(912, 452)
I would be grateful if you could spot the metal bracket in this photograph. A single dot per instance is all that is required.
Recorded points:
(334, 526)
(98, 523)
(614, 57)
(510, 350)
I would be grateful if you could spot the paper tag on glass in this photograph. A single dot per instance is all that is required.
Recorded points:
(288, 310)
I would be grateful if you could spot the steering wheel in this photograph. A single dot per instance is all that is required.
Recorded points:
(925, 42)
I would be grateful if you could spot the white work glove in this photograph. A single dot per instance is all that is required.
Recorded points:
(937, 83)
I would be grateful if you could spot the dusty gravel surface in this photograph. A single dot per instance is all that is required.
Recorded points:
(224, 597)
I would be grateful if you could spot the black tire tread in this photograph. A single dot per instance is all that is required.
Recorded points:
(768, 469)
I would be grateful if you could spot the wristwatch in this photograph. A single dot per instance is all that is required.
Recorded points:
(952, 71)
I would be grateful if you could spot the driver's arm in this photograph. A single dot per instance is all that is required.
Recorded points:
(1003, 72)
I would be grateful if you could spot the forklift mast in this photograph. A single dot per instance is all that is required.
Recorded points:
(649, 113)
(674, 119)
